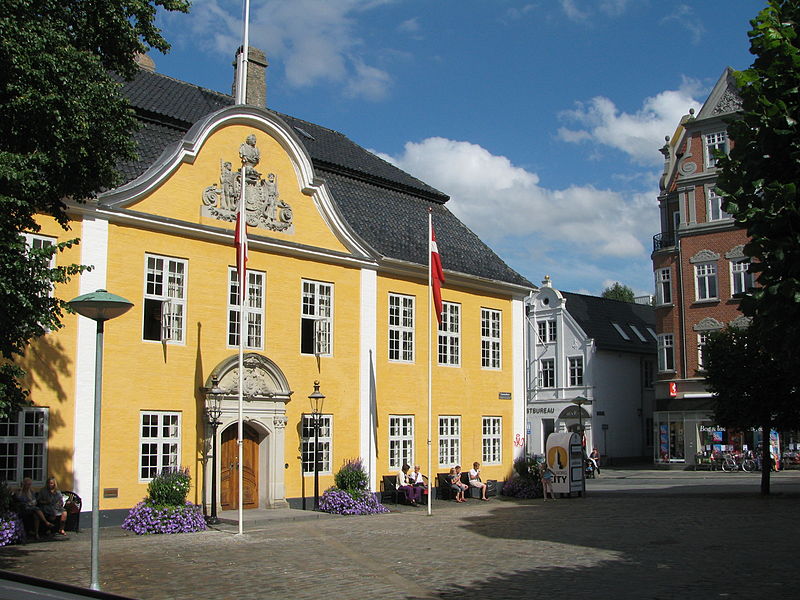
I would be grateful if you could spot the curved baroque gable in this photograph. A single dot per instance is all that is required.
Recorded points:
(736, 252)
(708, 324)
(704, 256)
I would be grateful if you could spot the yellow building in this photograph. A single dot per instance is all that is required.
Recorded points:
(337, 292)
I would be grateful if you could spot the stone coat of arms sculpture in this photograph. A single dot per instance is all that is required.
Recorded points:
(264, 207)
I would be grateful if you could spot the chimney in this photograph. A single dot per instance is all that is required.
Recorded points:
(256, 77)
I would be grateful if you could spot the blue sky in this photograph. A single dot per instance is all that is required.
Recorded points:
(541, 119)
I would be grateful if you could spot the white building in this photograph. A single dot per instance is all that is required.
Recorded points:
(601, 350)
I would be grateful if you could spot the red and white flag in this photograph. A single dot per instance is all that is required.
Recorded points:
(437, 275)
(240, 240)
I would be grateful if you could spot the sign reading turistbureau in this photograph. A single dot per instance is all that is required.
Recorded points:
(544, 410)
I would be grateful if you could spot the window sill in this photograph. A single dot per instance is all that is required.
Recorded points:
(707, 301)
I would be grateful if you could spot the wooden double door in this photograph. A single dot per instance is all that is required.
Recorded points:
(229, 468)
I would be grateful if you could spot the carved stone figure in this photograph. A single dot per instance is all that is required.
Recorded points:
(262, 201)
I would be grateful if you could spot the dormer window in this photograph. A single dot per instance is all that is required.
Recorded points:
(621, 332)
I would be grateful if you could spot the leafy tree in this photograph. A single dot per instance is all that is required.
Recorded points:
(618, 291)
(752, 386)
(759, 180)
(63, 129)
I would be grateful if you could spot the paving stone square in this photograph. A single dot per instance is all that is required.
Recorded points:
(635, 535)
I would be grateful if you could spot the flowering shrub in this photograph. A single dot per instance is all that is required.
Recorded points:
(522, 487)
(11, 528)
(351, 495)
(146, 517)
(170, 487)
(351, 476)
(341, 502)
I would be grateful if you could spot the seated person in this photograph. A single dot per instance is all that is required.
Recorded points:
(417, 478)
(461, 485)
(456, 485)
(475, 479)
(27, 502)
(51, 502)
(412, 492)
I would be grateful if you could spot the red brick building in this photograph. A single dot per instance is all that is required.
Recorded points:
(700, 271)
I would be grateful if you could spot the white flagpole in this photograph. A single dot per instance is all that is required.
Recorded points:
(430, 358)
(241, 98)
(241, 63)
(242, 275)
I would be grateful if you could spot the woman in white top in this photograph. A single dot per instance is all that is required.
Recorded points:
(405, 485)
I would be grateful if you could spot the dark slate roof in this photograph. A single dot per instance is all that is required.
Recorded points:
(386, 206)
(595, 315)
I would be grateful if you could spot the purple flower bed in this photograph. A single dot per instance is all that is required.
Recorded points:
(11, 529)
(146, 518)
(522, 487)
(340, 502)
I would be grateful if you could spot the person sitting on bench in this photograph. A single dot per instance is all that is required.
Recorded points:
(51, 501)
(412, 492)
(475, 479)
(27, 502)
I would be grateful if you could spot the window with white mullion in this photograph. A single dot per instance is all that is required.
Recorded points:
(401, 441)
(491, 440)
(666, 355)
(702, 340)
(575, 371)
(663, 286)
(164, 314)
(324, 437)
(23, 446)
(741, 278)
(715, 212)
(490, 338)
(450, 335)
(706, 280)
(159, 443)
(717, 141)
(317, 318)
(449, 441)
(547, 373)
(401, 328)
(254, 309)
(547, 332)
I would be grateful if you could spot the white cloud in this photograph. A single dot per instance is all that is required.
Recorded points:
(409, 25)
(572, 11)
(313, 40)
(503, 202)
(639, 134)
(682, 14)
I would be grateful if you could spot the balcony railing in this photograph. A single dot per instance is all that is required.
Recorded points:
(663, 240)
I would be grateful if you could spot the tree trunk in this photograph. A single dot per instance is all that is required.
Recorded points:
(766, 459)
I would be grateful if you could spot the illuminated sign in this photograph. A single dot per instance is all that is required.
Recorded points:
(673, 389)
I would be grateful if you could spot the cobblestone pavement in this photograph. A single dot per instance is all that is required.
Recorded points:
(703, 536)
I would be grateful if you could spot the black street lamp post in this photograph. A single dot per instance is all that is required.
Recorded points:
(213, 413)
(316, 398)
(580, 402)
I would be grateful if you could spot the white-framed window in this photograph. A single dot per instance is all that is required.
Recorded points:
(253, 308)
(324, 437)
(34, 241)
(23, 446)
(714, 207)
(663, 286)
(666, 352)
(449, 441)
(401, 440)
(490, 338)
(547, 332)
(575, 371)
(491, 440)
(317, 318)
(706, 280)
(741, 278)
(547, 373)
(717, 141)
(401, 328)
(702, 339)
(159, 443)
(164, 314)
(450, 335)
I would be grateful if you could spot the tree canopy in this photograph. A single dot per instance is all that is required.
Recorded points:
(759, 179)
(63, 129)
(619, 291)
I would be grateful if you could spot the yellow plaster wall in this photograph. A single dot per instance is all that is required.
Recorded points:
(143, 375)
(180, 196)
(50, 364)
(468, 391)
